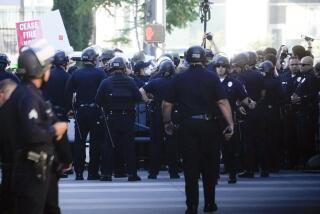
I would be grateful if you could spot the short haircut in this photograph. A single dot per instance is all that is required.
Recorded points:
(4, 84)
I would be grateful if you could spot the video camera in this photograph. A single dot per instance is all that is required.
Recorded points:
(307, 38)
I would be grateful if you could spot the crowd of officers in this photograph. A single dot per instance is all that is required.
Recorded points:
(257, 110)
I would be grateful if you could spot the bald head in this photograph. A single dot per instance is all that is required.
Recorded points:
(7, 86)
(306, 64)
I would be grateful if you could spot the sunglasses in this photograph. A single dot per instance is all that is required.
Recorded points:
(221, 65)
(302, 64)
(294, 64)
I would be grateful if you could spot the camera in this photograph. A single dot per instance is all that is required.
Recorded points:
(307, 38)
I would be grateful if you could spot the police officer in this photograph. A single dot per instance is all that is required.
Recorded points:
(235, 94)
(117, 96)
(254, 142)
(7, 128)
(197, 92)
(289, 83)
(305, 96)
(140, 76)
(271, 101)
(54, 92)
(161, 144)
(35, 186)
(105, 58)
(82, 87)
(4, 62)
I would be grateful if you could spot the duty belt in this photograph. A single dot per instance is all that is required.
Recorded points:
(123, 112)
(203, 117)
(91, 105)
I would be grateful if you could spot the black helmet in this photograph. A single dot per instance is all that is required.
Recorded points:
(240, 60)
(166, 68)
(60, 58)
(117, 63)
(4, 59)
(107, 55)
(169, 55)
(89, 55)
(209, 53)
(221, 60)
(35, 58)
(195, 54)
(266, 67)
(140, 65)
(252, 58)
(176, 59)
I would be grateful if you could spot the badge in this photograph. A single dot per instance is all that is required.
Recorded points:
(230, 84)
(298, 79)
(33, 114)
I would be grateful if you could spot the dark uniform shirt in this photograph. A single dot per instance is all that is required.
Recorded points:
(253, 82)
(118, 92)
(234, 90)
(54, 90)
(158, 88)
(84, 82)
(274, 92)
(307, 88)
(196, 91)
(32, 121)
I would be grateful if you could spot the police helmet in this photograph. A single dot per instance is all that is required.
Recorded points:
(35, 58)
(4, 59)
(240, 60)
(266, 67)
(89, 55)
(169, 55)
(195, 54)
(140, 65)
(107, 55)
(221, 61)
(166, 68)
(252, 58)
(60, 58)
(176, 59)
(209, 53)
(117, 63)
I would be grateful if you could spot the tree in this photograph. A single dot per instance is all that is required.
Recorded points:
(78, 25)
(179, 13)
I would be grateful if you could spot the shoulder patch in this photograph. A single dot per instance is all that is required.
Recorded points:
(33, 114)
(230, 84)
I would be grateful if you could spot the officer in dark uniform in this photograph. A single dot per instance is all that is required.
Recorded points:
(161, 144)
(54, 92)
(105, 58)
(4, 62)
(197, 92)
(82, 87)
(305, 96)
(289, 83)
(254, 142)
(117, 96)
(7, 128)
(272, 98)
(32, 134)
(139, 75)
(235, 94)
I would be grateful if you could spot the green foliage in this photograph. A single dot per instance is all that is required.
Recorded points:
(78, 27)
(180, 12)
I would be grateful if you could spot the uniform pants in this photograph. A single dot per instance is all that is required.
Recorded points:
(255, 146)
(200, 153)
(33, 196)
(122, 133)
(162, 146)
(89, 122)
